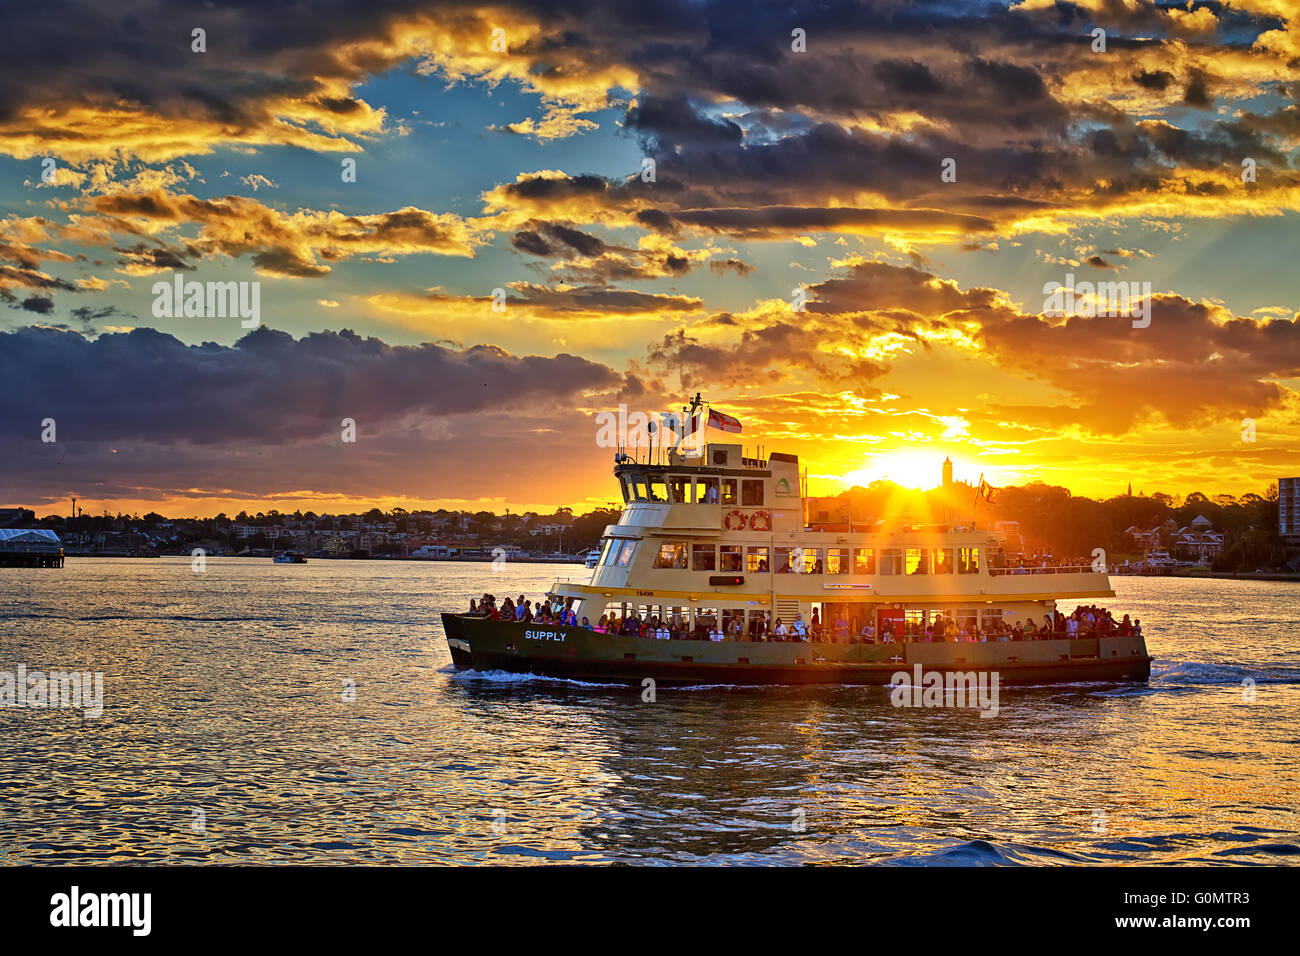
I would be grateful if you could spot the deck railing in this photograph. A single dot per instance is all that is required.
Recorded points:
(1052, 569)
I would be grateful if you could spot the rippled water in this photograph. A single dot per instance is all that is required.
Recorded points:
(224, 695)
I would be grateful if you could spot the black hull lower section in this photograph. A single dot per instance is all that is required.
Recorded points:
(581, 655)
(684, 675)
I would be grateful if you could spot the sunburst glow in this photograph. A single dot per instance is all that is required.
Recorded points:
(920, 469)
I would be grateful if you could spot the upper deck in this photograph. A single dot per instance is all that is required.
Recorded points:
(717, 522)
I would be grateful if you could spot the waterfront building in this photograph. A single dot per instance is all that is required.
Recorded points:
(1288, 510)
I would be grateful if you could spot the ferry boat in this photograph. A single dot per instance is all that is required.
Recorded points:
(713, 540)
(290, 557)
(590, 559)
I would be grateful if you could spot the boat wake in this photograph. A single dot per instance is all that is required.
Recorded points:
(1193, 673)
(509, 677)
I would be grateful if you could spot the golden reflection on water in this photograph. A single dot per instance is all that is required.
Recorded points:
(224, 693)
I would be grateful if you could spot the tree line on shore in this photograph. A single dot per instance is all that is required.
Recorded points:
(1050, 519)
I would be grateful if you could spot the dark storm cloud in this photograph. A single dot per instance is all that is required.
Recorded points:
(781, 221)
(153, 258)
(31, 279)
(556, 240)
(37, 303)
(268, 388)
(738, 266)
(597, 300)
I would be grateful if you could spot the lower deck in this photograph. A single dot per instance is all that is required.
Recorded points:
(582, 654)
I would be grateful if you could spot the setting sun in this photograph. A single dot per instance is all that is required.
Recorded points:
(911, 469)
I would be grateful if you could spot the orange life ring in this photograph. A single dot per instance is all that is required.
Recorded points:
(735, 520)
(761, 521)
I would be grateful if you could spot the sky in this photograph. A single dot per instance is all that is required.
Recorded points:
(473, 229)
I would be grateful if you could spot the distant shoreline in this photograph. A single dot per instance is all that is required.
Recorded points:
(1285, 576)
(1242, 575)
(374, 557)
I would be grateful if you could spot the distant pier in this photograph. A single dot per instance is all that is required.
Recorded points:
(30, 548)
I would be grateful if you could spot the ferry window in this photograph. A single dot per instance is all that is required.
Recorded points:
(636, 485)
(891, 561)
(671, 556)
(626, 488)
(751, 493)
(990, 617)
(759, 625)
(809, 561)
(864, 561)
(704, 557)
(914, 621)
(784, 560)
(706, 491)
(730, 558)
(965, 618)
(607, 546)
(706, 619)
(680, 488)
(658, 488)
(968, 561)
(756, 561)
(728, 491)
(625, 553)
(837, 560)
(916, 563)
(943, 560)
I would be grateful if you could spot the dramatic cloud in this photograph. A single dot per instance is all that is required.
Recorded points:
(708, 150)
(266, 389)
(278, 244)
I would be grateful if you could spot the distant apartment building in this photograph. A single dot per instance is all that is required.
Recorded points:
(1288, 509)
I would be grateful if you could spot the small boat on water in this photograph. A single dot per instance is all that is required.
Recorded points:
(717, 548)
(290, 557)
(591, 557)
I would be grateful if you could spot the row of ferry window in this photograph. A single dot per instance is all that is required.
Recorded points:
(915, 620)
(755, 559)
(682, 490)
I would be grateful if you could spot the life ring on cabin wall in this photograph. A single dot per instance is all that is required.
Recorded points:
(761, 521)
(735, 520)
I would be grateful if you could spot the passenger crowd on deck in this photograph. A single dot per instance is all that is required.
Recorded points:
(1038, 562)
(1085, 621)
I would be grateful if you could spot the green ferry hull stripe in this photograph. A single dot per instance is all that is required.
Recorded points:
(577, 653)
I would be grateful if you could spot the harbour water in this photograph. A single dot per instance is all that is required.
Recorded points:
(263, 713)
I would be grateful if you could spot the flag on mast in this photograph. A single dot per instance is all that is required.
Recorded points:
(723, 423)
